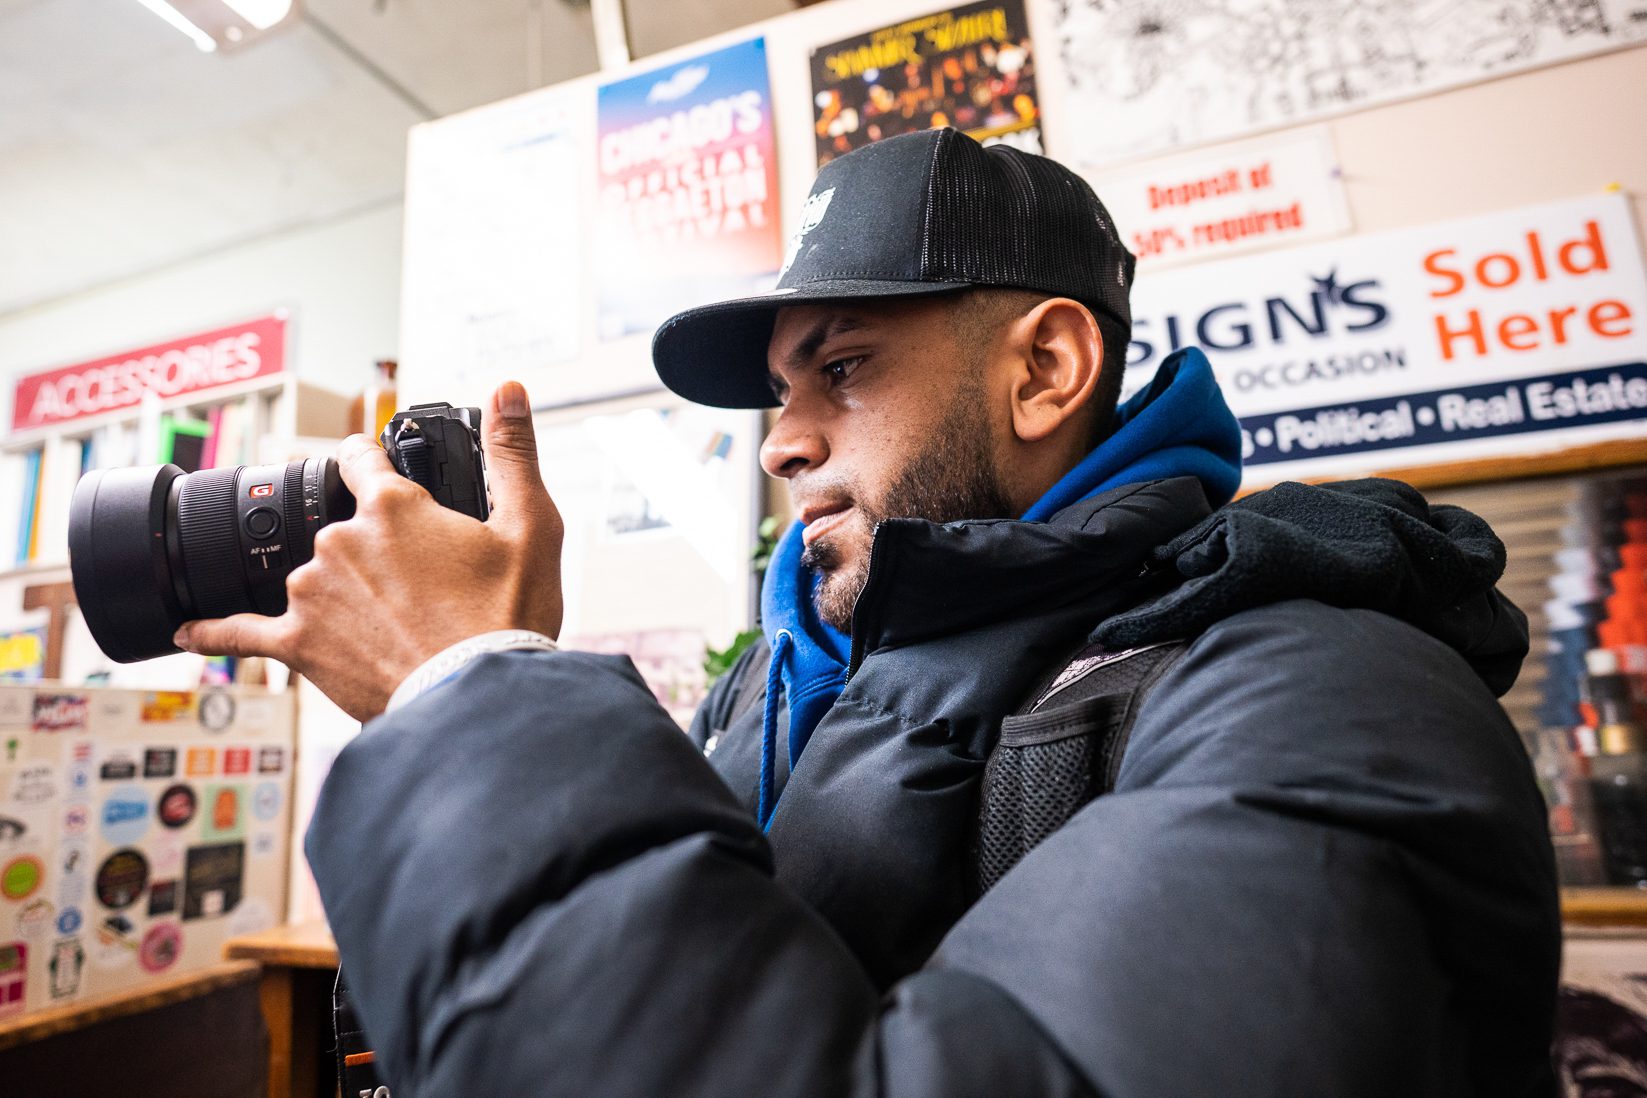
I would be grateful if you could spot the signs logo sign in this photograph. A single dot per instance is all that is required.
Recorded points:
(14, 974)
(200, 762)
(60, 712)
(68, 960)
(125, 815)
(162, 898)
(216, 710)
(212, 880)
(34, 784)
(119, 767)
(237, 760)
(271, 760)
(167, 705)
(20, 877)
(266, 800)
(688, 182)
(192, 364)
(176, 806)
(23, 655)
(1464, 335)
(160, 762)
(69, 920)
(122, 878)
(226, 819)
(76, 819)
(970, 67)
(162, 946)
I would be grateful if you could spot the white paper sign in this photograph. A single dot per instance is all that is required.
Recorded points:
(1144, 77)
(493, 237)
(1512, 332)
(1259, 194)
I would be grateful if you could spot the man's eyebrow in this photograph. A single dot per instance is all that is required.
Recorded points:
(825, 329)
(806, 348)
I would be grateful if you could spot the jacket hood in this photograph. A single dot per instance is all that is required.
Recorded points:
(1177, 426)
(1366, 544)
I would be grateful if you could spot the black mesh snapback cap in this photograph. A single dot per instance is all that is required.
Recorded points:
(922, 213)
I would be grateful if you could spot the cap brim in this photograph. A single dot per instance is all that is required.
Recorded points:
(716, 354)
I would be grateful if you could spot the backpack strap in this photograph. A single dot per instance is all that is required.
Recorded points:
(1060, 750)
(357, 1073)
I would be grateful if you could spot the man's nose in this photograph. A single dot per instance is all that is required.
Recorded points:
(795, 444)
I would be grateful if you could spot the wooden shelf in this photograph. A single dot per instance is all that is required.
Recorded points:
(294, 945)
(150, 996)
(1625, 907)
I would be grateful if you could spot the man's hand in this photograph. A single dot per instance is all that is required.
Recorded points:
(407, 577)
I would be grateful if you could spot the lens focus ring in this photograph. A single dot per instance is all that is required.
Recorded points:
(211, 546)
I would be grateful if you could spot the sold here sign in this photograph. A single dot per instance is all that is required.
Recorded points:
(193, 364)
(1512, 332)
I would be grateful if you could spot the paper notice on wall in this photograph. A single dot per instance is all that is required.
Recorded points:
(1143, 77)
(971, 67)
(1258, 194)
(1512, 332)
(688, 182)
(493, 247)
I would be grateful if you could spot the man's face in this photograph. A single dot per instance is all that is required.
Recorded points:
(885, 415)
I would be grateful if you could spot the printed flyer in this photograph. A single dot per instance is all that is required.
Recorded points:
(688, 180)
(970, 67)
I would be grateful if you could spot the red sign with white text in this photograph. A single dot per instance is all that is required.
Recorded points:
(192, 364)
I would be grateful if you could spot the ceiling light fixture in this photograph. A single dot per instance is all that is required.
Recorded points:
(201, 39)
(223, 24)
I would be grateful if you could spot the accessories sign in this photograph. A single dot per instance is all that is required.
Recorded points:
(192, 364)
(1509, 332)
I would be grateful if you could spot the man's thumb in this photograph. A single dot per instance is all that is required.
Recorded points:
(512, 457)
(239, 635)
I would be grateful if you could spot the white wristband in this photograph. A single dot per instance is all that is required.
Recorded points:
(449, 661)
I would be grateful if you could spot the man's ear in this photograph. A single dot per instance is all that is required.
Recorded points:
(1061, 354)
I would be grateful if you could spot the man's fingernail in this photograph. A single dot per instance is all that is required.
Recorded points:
(181, 638)
(512, 400)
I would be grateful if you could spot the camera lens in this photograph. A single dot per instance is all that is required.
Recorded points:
(152, 548)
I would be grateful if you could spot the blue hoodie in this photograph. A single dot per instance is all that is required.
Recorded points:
(1178, 426)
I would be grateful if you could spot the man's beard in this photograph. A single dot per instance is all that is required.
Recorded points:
(953, 477)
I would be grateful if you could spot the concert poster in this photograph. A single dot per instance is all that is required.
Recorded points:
(971, 67)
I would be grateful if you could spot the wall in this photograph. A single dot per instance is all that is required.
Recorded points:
(341, 280)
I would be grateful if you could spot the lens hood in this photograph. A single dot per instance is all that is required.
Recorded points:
(118, 555)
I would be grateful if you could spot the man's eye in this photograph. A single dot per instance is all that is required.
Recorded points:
(839, 369)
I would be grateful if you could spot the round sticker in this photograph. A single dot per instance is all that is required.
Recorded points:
(161, 947)
(34, 919)
(176, 806)
(121, 879)
(125, 815)
(266, 801)
(21, 877)
(216, 711)
(68, 921)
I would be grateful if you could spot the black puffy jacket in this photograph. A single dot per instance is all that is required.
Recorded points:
(1323, 869)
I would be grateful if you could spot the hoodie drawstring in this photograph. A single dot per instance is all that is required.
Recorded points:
(769, 726)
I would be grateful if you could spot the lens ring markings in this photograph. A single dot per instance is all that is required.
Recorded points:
(206, 512)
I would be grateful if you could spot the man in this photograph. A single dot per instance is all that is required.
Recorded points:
(1318, 862)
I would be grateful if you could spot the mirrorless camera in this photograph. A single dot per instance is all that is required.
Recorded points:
(151, 548)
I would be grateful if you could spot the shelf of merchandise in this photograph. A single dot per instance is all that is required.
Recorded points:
(280, 407)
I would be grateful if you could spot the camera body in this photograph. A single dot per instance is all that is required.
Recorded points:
(151, 548)
(437, 446)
